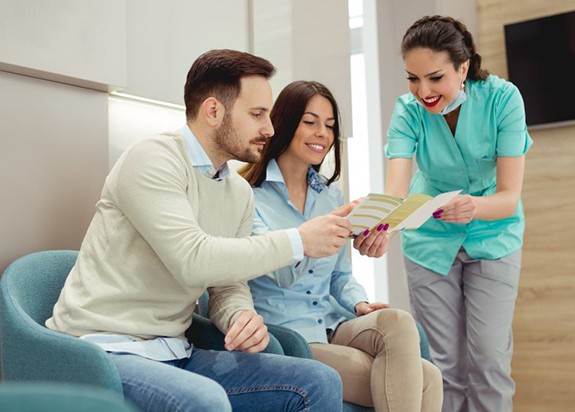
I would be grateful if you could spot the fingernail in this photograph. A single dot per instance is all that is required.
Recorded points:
(386, 226)
(380, 227)
(437, 215)
(366, 232)
(438, 212)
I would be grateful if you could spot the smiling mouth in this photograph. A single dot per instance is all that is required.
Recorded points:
(316, 147)
(431, 101)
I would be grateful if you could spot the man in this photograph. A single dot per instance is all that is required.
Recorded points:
(173, 220)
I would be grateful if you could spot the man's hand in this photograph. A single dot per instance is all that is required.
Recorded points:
(374, 243)
(323, 235)
(248, 333)
(363, 308)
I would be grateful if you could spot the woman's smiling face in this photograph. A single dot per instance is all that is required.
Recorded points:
(314, 135)
(432, 77)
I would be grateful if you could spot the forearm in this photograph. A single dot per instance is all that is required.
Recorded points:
(398, 177)
(497, 206)
(503, 203)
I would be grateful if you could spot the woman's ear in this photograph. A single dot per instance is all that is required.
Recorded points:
(464, 70)
(212, 111)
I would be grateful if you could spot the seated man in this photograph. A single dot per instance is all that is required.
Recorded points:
(172, 220)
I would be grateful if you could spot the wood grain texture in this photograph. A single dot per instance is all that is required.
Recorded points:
(544, 323)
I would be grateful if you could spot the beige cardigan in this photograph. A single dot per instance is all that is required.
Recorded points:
(161, 235)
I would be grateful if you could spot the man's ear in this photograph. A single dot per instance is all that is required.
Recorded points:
(213, 111)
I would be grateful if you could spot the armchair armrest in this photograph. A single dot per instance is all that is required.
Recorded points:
(54, 356)
(204, 335)
(292, 343)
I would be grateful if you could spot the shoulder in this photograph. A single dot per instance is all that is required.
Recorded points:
(493, 83)
(335, 194)
(494, 89)
(168, 144)
(406, 105)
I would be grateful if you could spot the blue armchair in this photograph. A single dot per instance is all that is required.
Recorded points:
(29, 351)
(50, 397)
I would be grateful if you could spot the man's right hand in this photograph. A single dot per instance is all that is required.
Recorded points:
(323, 235)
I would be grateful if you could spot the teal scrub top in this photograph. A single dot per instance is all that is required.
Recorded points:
(491, 123)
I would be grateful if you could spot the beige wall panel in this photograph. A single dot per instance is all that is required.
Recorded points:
(78, 42)
(544, 325)
(53, 161)
(165, 37)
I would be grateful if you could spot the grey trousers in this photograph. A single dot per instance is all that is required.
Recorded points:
(468, 318)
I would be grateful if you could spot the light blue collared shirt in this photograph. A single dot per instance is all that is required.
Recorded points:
(297, 296)
(169, 348)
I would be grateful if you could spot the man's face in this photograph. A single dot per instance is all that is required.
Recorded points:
(246, 127)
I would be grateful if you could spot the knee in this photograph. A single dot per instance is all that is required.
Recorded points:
(397, 322)
(212, 397)
(324, 378)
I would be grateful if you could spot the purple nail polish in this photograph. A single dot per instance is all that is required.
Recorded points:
(380, 227)
(366, 232)
(386, 226)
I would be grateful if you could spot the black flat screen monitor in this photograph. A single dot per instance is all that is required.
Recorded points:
(541, 63)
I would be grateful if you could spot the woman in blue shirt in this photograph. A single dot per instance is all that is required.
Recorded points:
(377, 354)
(467, 131)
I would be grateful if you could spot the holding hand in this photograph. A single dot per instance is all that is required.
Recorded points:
(363, 308)
(324, 235)
(248, 333)
(462, 209)
(373, 243)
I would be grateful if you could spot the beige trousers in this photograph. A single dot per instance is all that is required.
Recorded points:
(378, 358)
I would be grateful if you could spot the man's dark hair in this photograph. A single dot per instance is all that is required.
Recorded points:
(218, 73)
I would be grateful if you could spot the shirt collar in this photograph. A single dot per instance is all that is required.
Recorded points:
(200, 159)
(314, 179)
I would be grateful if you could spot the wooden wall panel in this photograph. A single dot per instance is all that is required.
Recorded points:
(544, 324)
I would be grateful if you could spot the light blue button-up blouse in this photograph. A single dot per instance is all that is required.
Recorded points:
(297, 296)
(491, 124)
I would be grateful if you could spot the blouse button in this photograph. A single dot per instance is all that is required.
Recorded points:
(308, 292)
(310, 271)
(319, 321)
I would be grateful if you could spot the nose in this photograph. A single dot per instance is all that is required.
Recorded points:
(322, 130)
(423, 89)
(268, 128)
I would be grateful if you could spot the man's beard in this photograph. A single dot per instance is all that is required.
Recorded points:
(228, 141)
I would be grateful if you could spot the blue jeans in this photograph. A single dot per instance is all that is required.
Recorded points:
(220, 381)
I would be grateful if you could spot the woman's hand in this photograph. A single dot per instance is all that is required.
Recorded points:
(373, 243)
(363, 308)
(462, 209)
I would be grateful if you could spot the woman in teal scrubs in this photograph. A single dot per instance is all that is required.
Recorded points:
(467, 131)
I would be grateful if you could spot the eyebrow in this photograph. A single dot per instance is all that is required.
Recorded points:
(263, 109)
(316, 116)
(427, 75)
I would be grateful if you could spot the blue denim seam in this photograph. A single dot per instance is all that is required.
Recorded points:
(291, 388)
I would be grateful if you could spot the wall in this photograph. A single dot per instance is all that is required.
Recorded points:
(544, 325)
(63, 57)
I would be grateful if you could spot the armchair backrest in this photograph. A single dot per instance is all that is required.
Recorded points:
(29, 288)
(33, 283)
